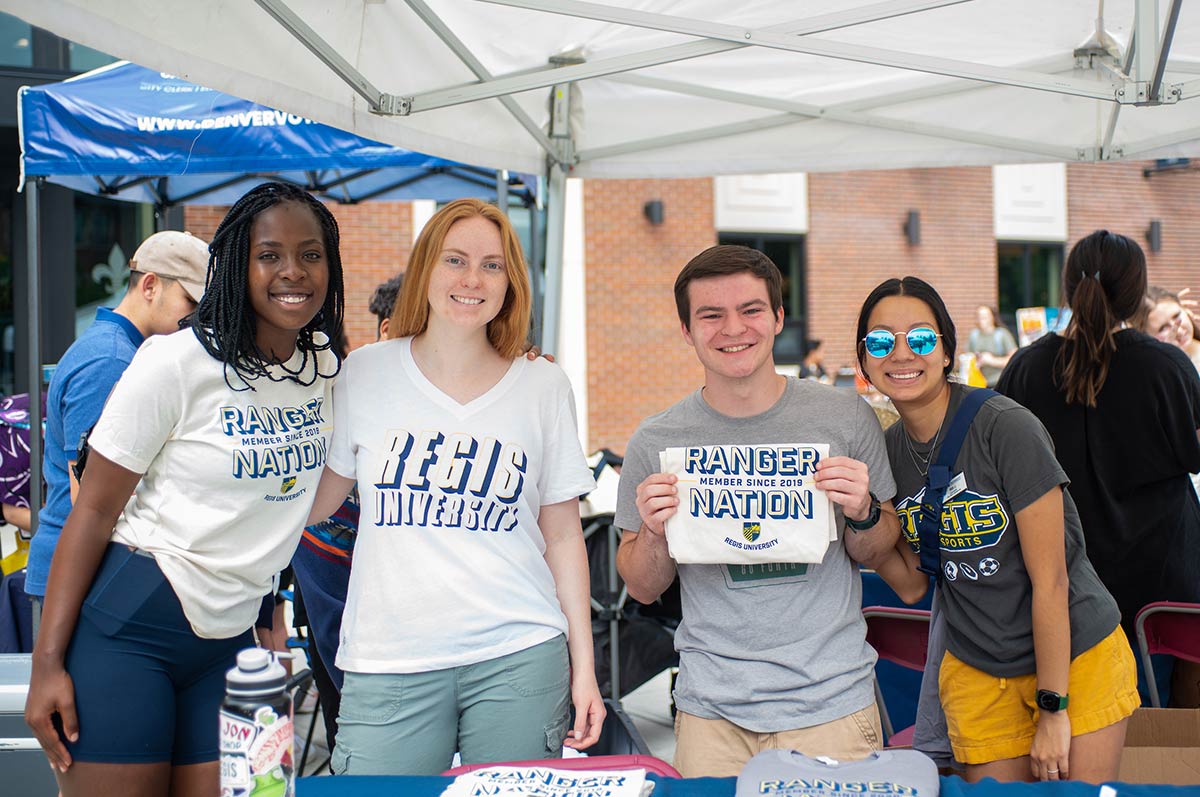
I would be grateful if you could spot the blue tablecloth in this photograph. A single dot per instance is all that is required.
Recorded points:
(724, 787)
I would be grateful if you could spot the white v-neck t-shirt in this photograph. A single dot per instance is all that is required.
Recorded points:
(228, 476)
(448, 565)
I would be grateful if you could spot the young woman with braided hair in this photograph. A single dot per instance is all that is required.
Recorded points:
(219, 432)
(1123, 410)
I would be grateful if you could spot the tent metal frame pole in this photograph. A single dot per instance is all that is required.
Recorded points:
(555, 240)
(1136, 149)
(456, 45)
(1189, 89)
(1164, 47)
(805, 112)
(537, 269)
(1144, 38)
(299, 29)
(556, 211)
(502, 191)
(33, 297)
(1115, 115)
(840, 50)
(527, 80)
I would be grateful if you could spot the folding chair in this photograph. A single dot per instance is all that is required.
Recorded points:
(1167, 627)
(900, 636)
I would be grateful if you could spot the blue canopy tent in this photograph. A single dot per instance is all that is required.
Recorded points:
(134, 134)
(144, 136)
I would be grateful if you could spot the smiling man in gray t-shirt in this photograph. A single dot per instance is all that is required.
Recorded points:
(770, 655)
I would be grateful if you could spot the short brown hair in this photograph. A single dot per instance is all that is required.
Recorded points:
(721, 261)
(509, 330)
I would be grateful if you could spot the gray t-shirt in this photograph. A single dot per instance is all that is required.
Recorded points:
(1007, 462)
(999, 342)
(769, 647)
(886, 773)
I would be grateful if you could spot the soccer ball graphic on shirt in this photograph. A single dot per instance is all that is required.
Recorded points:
(988, 566)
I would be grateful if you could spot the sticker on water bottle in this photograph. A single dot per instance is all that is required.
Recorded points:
(256, 757)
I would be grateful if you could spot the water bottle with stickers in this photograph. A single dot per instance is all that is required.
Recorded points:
(256, 729)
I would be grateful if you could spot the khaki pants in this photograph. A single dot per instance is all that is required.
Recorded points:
(719, 749)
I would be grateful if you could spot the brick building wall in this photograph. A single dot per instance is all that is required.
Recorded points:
(1117, 197)
(376, 240)
(638, 363)
(856, 240)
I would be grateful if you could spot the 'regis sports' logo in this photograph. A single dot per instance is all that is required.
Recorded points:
(751, 531)
(287, 484)
(970, 521)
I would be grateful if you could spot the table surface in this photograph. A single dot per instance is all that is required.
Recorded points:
(348, 786)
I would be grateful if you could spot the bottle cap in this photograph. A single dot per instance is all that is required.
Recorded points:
(257, 674)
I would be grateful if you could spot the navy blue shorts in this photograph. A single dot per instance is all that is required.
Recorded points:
(147, 689)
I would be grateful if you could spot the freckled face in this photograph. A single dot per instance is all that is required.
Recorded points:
(470, 280)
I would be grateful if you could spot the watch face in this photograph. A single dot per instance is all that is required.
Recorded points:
(1049, 701)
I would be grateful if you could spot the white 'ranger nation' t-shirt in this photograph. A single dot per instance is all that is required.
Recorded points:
(228, 477)
(448, 565)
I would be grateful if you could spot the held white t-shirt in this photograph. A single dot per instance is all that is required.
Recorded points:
(448, 565)
(228, 476)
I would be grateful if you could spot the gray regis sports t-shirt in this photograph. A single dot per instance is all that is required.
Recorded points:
(769, 647)
(1007, 462)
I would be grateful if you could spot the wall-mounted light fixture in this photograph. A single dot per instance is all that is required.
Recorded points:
(654, 211)
(912, 227)
(1154, 235)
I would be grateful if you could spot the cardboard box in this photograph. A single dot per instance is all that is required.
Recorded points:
(1162, 745)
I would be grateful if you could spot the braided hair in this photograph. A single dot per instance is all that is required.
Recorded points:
(225, 322)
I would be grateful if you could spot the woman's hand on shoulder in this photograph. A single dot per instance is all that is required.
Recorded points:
(589, 710)
(533, 352)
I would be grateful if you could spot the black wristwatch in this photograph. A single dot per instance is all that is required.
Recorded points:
(1051, 701)
(870, 520)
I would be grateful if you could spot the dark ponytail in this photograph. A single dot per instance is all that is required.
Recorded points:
(1104, 284)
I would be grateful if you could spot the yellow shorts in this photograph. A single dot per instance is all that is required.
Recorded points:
(990, 718)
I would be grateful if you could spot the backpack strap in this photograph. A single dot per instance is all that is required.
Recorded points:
(929, 519)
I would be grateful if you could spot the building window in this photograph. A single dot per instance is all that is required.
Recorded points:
(107, 233)
(1029, 275)
(787, 252)
(85, 59)
(16, 42)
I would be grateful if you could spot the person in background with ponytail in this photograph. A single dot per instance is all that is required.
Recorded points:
(1123, 410)
(223, 429)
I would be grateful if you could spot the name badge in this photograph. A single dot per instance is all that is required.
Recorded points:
(956, 486)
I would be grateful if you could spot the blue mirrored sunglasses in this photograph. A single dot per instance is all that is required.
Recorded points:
(881, 342)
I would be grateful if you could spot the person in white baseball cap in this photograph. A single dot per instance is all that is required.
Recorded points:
(178, 256)
(166, 282)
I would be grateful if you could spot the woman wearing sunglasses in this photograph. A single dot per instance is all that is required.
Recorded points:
(1038, 678)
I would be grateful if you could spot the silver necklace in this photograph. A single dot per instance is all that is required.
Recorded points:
(922, 462)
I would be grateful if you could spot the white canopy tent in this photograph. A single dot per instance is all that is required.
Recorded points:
(671, 88)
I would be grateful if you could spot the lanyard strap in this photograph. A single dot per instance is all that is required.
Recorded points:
(929, 519)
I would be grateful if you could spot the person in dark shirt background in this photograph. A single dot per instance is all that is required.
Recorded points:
(1123, 410)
